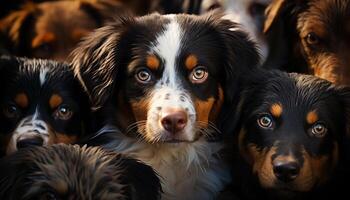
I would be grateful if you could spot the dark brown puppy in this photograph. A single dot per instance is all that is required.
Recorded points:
(314, 35)
(74, 172)
(291, 140)
(52, 29)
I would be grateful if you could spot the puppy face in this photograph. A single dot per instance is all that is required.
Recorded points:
(73, 172)
(292, 129)
(52, 29)
(324, 30)
(317, 33)
(167, 74)
(41, 104)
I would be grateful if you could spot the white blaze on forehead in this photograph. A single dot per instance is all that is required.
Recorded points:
(42, 75)
(167, 46)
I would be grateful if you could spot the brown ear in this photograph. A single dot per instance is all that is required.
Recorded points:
(12, 26)
(102, 10)
(273, 11)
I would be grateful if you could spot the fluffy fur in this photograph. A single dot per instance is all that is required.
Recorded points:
(169, 83)
(311, 36)
(41, 103)
(74, 172)
(292, 137)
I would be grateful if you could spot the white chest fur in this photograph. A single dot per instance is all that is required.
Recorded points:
(188, 171)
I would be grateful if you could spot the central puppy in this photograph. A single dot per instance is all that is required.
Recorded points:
(164, 81)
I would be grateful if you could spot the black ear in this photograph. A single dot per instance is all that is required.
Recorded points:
(14, 28)
(144, 181)
(240, 59)
(96, 61)
(8, 66)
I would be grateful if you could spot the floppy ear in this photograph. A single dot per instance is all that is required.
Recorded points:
(96, 61)
(12, 27)
(277, 9)
(241, 57)
(102, 10)
(344, 97)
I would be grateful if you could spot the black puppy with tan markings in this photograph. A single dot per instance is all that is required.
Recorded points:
(41, 104)
(292, 135)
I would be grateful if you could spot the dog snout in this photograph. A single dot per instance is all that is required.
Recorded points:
(286, 171)
(29, 142)
(174, 120)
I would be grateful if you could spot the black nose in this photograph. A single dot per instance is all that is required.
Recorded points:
(286, 171)
(36, 141)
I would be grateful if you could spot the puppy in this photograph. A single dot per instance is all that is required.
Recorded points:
(248, 13)
(41, 104)
(167, 83)
(291, 140)
(74, 172)
(313, 35)
(52, 29)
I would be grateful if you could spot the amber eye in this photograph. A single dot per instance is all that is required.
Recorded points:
(63, 113)
(312, 38)
(319, 130)
(265, 122)
(11, 111)
(143, 76)
(199, 74)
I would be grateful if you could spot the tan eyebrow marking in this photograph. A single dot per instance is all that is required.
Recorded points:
(276, 109)
(191, 62)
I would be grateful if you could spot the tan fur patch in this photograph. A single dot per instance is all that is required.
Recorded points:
(152, 62)
(21, 99)
(276, 110)
(55, 101)
(56, 138)
(140, 109)
(311, 117)
(191, 62)
(44, 38)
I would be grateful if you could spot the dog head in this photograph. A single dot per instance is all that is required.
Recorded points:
(41, 104)
(53, 29)
(74, 172)
(167, 76)
(293, 129)
(319, 36)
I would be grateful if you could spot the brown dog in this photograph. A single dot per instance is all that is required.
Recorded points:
(314, 35)
(52, 29)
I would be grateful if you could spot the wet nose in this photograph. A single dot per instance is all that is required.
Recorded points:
(174, 121)
(24, 143)
(286, 171)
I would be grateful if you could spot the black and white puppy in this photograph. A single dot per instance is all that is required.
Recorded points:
(41, 104)
(72, 172)
(165, 82)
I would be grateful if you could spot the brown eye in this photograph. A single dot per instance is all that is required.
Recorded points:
(199, 75)
(312, 39)
(143, 76)
(265, 122)
(63, 113)
(319, 130)
(11, 111)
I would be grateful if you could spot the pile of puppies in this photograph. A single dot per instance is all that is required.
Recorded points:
(175, 106)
